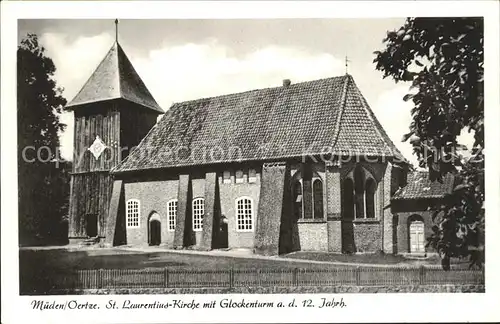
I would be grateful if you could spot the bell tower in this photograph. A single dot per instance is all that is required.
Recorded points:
(113, 111)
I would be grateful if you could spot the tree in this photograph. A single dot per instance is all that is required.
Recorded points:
(42, 174)
(443, 60)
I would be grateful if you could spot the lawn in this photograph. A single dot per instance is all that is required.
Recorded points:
(40, 267)
(64, 260)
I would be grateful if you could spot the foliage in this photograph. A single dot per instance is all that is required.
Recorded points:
(443, 60)
(43, 176)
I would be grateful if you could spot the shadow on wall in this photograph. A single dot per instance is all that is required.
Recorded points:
(189, 234)
(289, 240)
(120, 237)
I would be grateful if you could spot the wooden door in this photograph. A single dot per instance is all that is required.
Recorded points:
(91, 225)
(417, 237)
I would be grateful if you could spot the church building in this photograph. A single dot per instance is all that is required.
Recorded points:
(302, 166)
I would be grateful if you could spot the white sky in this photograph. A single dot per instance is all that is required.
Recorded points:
(187, 59)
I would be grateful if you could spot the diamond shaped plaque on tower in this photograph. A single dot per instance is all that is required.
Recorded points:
(97, 147)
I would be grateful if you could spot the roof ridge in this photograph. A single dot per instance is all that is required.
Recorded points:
(343, 101)
(254, 90)
(376, 124)
(91, 75)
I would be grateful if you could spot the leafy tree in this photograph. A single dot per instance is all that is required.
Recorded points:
(42, 174)
(443, 60)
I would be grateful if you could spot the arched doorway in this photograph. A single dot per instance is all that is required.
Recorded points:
(416, 233)
(154, 229)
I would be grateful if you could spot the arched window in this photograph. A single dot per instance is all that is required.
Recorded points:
(198, 213)
(370, 198)
(244, 214)
(297, 199)
(348, 199)
(318, 198)
(133, 213)
(171, 214)
(359, 191)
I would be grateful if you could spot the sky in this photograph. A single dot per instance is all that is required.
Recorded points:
(184, 59)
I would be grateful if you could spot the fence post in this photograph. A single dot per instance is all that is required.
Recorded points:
(358, 276)
(99, 278)
(231, 278)
(422, 275)
(166, 277)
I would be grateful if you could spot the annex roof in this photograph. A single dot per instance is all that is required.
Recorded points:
(420, 187)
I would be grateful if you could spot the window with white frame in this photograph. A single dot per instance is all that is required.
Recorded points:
(171, 214)
(198, 213)
(244, 214)
(133, 213)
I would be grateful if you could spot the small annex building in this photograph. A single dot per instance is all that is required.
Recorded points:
(301, 166)
(411, 209)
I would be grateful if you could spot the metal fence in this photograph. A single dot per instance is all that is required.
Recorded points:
(229, 278)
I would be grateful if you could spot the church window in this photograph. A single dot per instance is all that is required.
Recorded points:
(171, 214)
(133, 213)
(244, 214)
(359, 195)
(359, 192)
(239, 176)
(226, 176)
(252, 176)
(318, 198)
(370, 198)
(198, 213)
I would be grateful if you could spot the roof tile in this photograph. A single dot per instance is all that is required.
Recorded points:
(115, 77)
(301, 119)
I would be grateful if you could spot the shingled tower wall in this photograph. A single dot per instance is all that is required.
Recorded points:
(113, 111)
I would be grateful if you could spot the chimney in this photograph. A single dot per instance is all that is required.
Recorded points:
(286, 82)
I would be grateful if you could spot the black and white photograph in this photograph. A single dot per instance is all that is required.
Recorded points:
(314, 158)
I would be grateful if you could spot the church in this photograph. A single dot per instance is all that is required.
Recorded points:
(303, 166)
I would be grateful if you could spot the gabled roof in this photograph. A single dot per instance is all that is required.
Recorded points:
(114, 78)
(420, 187)
(308, 118)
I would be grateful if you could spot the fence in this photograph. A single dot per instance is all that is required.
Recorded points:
(231, 278)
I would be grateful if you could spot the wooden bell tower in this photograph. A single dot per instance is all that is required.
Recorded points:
(113, 111)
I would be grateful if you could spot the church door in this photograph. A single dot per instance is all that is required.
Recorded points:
(417, 240)
(91, 225)
(154, 232)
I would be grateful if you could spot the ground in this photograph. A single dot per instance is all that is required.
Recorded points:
(37, 264)
(123, 258)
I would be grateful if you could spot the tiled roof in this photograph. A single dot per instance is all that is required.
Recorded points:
(114, 78)
(420, 187)
(308, 118)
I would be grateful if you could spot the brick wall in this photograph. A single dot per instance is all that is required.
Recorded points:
(229, 192)
(403, 244)
(367, 236)
(153, 197)
(313, 236)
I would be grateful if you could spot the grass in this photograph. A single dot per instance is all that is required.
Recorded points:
(39, 265)
(354, 258)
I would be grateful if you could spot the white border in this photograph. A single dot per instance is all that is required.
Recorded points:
(362, 307)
